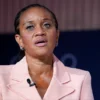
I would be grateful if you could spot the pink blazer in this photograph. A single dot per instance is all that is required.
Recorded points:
(66, 84)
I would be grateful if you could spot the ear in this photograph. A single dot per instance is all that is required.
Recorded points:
(18, 39)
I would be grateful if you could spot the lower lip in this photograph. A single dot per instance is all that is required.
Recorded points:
(41, 44)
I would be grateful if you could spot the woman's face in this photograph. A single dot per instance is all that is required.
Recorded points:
(38, 35)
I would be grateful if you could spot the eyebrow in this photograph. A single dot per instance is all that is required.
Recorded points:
(28, 22)
(47, 19)
(44, 19)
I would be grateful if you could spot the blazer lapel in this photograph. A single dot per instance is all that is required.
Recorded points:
(60, 85)
(18, 82)
(23, 90)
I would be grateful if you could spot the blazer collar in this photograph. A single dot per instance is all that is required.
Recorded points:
(20, 70)
(60, 71)
(59, 82)
(18, 82)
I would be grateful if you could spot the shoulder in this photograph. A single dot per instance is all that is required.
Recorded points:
(76, 71)
(5, 68)
(83, 74)
(5, 71)
(70, 70)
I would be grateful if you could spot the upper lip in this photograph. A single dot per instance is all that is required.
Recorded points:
(40, 40)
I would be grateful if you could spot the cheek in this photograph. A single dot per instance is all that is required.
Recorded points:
(26, 39)
(53, 37)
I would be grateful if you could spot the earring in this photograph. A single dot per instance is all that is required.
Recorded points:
(56, 44)
(21, 48)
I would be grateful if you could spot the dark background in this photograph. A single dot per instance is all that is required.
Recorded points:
(78, 49)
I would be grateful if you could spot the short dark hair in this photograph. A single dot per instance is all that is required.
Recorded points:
(17, 18)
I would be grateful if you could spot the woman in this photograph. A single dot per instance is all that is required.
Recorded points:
(39, 75)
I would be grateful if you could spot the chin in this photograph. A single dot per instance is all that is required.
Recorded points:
(44, 52)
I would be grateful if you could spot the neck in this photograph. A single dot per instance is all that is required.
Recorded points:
(38, 66)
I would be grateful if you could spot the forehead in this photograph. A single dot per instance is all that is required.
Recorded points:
(35, 12)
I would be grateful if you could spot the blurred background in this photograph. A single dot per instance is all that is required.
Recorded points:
(79, 24)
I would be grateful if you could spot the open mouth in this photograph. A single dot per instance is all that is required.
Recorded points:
(41, 43)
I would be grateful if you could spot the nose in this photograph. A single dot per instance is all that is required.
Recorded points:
(39, 31)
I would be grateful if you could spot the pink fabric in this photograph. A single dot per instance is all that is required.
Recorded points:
(66, 84)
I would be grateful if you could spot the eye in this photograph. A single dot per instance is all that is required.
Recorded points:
(47, 25)
(30, 27)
